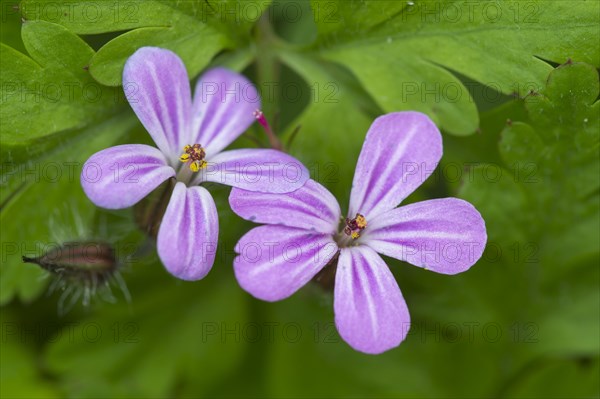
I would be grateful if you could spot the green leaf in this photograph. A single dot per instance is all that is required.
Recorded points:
(332, 116)
(568, 104)
(11, 25)
(50, 92)
(195, 30)
(520, 144)
(195, 43)
(402, 52)
(500, 200)
(558, 182)
(558, 175)
(235, 18)
(398, 83)
(40, 39)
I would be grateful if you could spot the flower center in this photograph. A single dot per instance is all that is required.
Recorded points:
(193, 155)
(355, 226)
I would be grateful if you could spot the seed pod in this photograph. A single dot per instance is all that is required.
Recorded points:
(81, 261)
(81, 268)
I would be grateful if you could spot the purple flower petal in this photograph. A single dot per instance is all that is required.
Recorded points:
(156, 85)
(370, 312)
(188, 234)
(224, 102)
(118, 177)
(400, 151)
(275, 261)
(261, 170)
(311, 207)
(444, 235)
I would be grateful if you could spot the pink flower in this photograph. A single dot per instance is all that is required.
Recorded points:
(190, 136)
(303, 233)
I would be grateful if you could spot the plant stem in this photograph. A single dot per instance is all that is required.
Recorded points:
(268, 70)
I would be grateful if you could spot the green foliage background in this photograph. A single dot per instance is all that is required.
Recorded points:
(512, 84)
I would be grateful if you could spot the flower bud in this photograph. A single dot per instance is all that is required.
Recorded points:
(85, 262)
(82, 269)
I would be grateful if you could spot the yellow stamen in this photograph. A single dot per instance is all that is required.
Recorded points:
(361, 222)
(355, 226)
(194, 156)
(195, 166)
